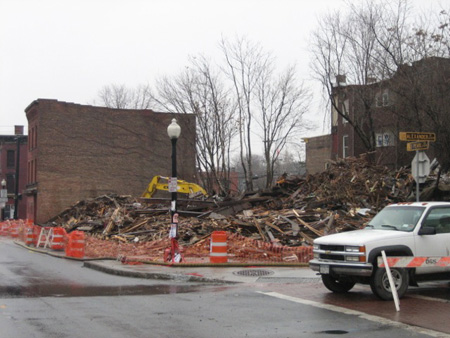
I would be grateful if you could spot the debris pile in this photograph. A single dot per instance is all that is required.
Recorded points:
(293, 213)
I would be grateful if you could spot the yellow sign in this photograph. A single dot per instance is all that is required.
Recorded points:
(420, 145)
(417, 136)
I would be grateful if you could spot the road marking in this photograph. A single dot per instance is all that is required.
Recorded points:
(362, 315)
(433, 299)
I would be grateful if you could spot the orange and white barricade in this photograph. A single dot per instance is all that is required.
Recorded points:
(415, 262)
(218, 247)
(29, 235)
(4, 228)
(14, 229)
(57, 238)
(75, 244)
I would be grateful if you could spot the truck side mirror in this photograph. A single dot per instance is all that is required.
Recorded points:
(427, 230)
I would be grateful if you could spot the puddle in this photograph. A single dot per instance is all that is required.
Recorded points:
(67, 290)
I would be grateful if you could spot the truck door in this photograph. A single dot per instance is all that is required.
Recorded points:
(437, 245)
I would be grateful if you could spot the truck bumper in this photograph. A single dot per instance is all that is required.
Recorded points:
(347, 269)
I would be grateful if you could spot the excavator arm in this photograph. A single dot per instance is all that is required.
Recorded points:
(183, 187)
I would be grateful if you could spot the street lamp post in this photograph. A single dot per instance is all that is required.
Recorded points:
(174, 131)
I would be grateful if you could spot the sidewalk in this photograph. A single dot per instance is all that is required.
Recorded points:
(208, 274)
(263, 274)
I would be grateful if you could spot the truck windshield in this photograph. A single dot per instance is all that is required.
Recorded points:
(402, 218)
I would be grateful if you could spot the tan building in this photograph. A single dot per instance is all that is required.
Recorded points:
(318, 152)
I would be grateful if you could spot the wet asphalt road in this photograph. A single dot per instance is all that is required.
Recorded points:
(43, 296)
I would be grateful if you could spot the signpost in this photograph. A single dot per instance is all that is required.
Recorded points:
(420, 165)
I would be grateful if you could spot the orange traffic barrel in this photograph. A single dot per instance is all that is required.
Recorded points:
(58, 238)
(14, 229)
(75, 245)
(4, 229)
(30, 236)
(218, 247)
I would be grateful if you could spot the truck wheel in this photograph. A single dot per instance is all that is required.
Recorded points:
(380, 286)
(337, 285)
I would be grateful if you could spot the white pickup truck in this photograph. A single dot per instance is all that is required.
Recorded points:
(420, 229)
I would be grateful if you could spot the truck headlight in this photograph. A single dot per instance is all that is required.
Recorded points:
(355, 253)
(316, 246)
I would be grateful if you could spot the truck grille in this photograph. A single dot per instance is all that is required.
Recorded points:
(332, 247)
(332, 257)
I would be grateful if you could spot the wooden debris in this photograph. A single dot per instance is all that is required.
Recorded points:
(295, 212)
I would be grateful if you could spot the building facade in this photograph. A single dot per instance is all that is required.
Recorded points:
(13, 169)
(318, 150)
(78, 151)
(416, 98)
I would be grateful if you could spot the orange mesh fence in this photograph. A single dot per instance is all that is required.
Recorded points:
(240, 249)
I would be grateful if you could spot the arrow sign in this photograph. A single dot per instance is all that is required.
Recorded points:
(419, 145)
(417, 136)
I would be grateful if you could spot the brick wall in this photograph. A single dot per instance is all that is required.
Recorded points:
(84, 151)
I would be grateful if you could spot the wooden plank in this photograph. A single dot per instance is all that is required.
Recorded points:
(260, 230)
(295, 226)
(306, 225)
(274, 227)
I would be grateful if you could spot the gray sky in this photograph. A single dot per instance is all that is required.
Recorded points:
(67, 50)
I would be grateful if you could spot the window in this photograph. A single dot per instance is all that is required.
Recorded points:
(384, 139)
(439, 218)
(385, 98)
(10, 184)
(345, 110)
(10, 160)
(345, 146)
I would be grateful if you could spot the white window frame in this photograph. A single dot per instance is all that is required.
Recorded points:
(345, 146)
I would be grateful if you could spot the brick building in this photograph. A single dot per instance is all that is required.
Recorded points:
(13, 165)
(81, 151)
(415, 98)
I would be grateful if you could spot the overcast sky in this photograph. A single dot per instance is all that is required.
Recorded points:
(67, 50)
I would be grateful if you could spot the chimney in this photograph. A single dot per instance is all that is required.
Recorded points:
(341, 80)
(18, 130)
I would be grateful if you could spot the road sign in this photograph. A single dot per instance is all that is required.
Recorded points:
(420, 167)
(173, 184)
(417, 136)
(419, 145)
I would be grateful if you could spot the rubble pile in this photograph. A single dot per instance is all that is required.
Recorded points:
(297, 210)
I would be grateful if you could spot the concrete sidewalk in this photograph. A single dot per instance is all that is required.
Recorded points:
(215, 274)
(260, 274)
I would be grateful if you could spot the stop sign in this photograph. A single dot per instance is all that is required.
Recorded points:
(420, 166)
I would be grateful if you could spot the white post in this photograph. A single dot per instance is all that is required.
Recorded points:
(417, 176)
(391, 282)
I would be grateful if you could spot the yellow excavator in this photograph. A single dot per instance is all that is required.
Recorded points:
(183, 187)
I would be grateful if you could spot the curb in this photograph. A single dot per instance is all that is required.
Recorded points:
(153, 275)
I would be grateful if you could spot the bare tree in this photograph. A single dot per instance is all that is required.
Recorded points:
(122, 97)
(245, 64)
(364, 46)
(282, 104)
(200, 90)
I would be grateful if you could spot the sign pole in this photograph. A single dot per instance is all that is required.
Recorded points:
(417, 178)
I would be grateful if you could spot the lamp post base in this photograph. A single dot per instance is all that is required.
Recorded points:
(174, 253)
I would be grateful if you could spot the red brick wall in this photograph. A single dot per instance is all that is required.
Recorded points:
(85, 151)
(9, 142)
